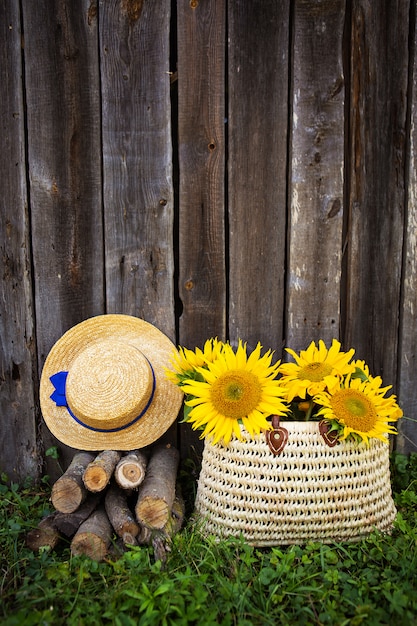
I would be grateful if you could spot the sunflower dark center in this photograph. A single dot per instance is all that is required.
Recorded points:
(315, 371)
(354, 409)
(236, 393)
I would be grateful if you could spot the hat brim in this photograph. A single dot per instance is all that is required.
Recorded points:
(166, 403)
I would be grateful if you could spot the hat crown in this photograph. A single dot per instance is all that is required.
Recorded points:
(109, 384)
(104, 384)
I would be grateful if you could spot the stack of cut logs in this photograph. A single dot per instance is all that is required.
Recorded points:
(134, 495)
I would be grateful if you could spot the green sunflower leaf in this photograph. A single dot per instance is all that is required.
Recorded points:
(359, 373)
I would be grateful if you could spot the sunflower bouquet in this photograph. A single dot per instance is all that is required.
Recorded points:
(327, 384)
(226, 388)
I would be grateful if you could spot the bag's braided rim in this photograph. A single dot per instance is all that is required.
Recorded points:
(308, 492)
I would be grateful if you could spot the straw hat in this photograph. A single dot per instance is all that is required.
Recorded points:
(103, 385)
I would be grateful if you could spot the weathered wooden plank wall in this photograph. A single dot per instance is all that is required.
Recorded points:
(201, 154)
(19, 454)
(407, 353)
(316, 173)
(64, 168)
(138, 198)
(376, 180)
(257, 120)
(137, 160)
(267, 194)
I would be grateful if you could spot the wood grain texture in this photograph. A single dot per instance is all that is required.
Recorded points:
(68, 492)
(157, 492)
(19, 452)
(137, 160)
(98, 472)
(286, 209)
(64, 165)
(93, 536)
(201, 145)
(258, 44)
(64, 160)
(316, 173)
(379, 76)
(131, 469)
(407, 362)
(201, 101)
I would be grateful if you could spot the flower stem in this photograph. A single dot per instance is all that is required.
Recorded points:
(309, 411)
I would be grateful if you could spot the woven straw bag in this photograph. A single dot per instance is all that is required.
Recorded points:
(309, 491)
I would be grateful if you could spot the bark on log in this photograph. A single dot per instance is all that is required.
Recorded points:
(45, 535)
(130, 470)
(69, 492)
(69, 523)
(120, 515)
(160, 547)
(157, 492)
(176, 518)
(161, 539)
(98, 473)
(93, 536)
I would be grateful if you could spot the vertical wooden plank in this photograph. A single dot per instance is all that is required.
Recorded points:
(316, 173)
(63, 121)
(19, 455)
(201, 60)
(379, 67)
(201, 138)
(258, 41)
(407, 352)
(137, 160)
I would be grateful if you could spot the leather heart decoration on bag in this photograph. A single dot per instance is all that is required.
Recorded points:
(277, 437)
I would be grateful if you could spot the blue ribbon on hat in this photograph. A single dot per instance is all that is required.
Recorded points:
(59, 381)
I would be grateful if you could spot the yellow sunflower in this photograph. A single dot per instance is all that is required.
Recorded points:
(314, 369)
(185, 362)
(235, 387)
(359, 407)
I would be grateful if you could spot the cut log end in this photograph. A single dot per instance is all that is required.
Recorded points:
(130, 475)
(152, 511)
(93, 536)
(69, 492)
(95, 479)
(129, 539)
(131, 469)
(98, 473)
(90, 545)
(67, 495)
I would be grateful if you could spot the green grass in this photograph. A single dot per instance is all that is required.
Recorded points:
(370, 582)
